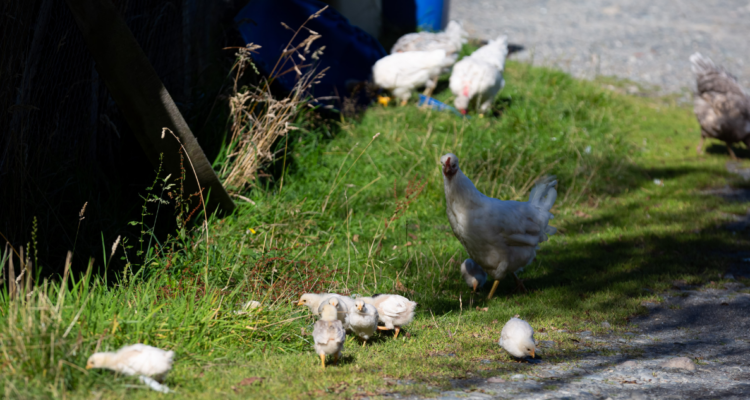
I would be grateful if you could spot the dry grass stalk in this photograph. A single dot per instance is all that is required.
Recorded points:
(258, 119)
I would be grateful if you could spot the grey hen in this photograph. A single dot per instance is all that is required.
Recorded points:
(721, 105)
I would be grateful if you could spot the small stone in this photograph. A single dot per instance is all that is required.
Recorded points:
(629, 333)
(729, 276)
(621, 340)
(628, 364)
(585, 334)
(546, 343)
(679, 363)
(517, 376)
(606, 325)
(496, 379)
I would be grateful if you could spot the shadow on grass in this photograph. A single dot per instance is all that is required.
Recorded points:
(739, 150)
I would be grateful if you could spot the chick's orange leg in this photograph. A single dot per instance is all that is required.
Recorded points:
(382, 328)
(323, 361)
(397, 331)
(492, 291)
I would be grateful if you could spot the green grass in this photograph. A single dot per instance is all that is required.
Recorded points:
(324, 229)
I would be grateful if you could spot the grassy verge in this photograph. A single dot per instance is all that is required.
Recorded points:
(365, 214)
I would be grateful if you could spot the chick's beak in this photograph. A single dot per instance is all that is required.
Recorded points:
(300, 303)
(359, 307)
(532, 353)
(88, 366)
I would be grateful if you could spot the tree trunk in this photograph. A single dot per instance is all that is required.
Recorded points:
(143, 99)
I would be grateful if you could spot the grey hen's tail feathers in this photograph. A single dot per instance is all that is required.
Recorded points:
(543, 197)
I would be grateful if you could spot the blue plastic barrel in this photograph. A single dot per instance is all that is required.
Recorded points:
(410, 15)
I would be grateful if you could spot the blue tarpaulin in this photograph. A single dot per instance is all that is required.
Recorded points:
(349, 51)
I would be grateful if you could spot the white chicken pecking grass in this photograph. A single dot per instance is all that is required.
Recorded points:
(480, 76)
(500, 236)
(473, 274)
(394, 311)
(401, 73)
(517, 338)
(329, 335)
(451, 39)
(363, 320)
(314, 300)
(137, 360)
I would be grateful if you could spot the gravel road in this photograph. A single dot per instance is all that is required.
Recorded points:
(643, 40)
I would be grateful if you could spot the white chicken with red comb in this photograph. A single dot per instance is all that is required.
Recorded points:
(479, 77)
(501, 236)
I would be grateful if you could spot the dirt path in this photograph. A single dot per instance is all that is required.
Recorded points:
(646, 41)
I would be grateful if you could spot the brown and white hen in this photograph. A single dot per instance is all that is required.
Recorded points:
(501, 236)
(721, 105)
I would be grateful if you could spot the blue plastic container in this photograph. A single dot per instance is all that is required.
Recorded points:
(410, 15)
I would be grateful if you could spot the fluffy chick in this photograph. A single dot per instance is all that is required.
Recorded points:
(342, 311)
(394, 311)
(363, 320)
(137, 359)
(517, 338)
(329, 335)
(314, 300)
(473, 274)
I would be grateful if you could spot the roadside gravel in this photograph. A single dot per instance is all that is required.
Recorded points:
(646, 41)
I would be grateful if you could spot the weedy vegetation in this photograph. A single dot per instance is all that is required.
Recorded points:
(363, 212)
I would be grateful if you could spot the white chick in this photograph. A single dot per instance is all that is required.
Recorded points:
(313, 301)
(342, 311)
(473, 274)
(394, 311)
(137, 359)
(401, 73)
(517, 338)
(363, 320)
(329, 335)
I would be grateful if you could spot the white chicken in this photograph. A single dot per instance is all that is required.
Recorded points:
(363, 320)
(480, 76)
(721, 105)
(329, 335)
(149, 363)
(401, 73)
(394, 311)
(473, 274)
(500, 236)
(450, 40)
